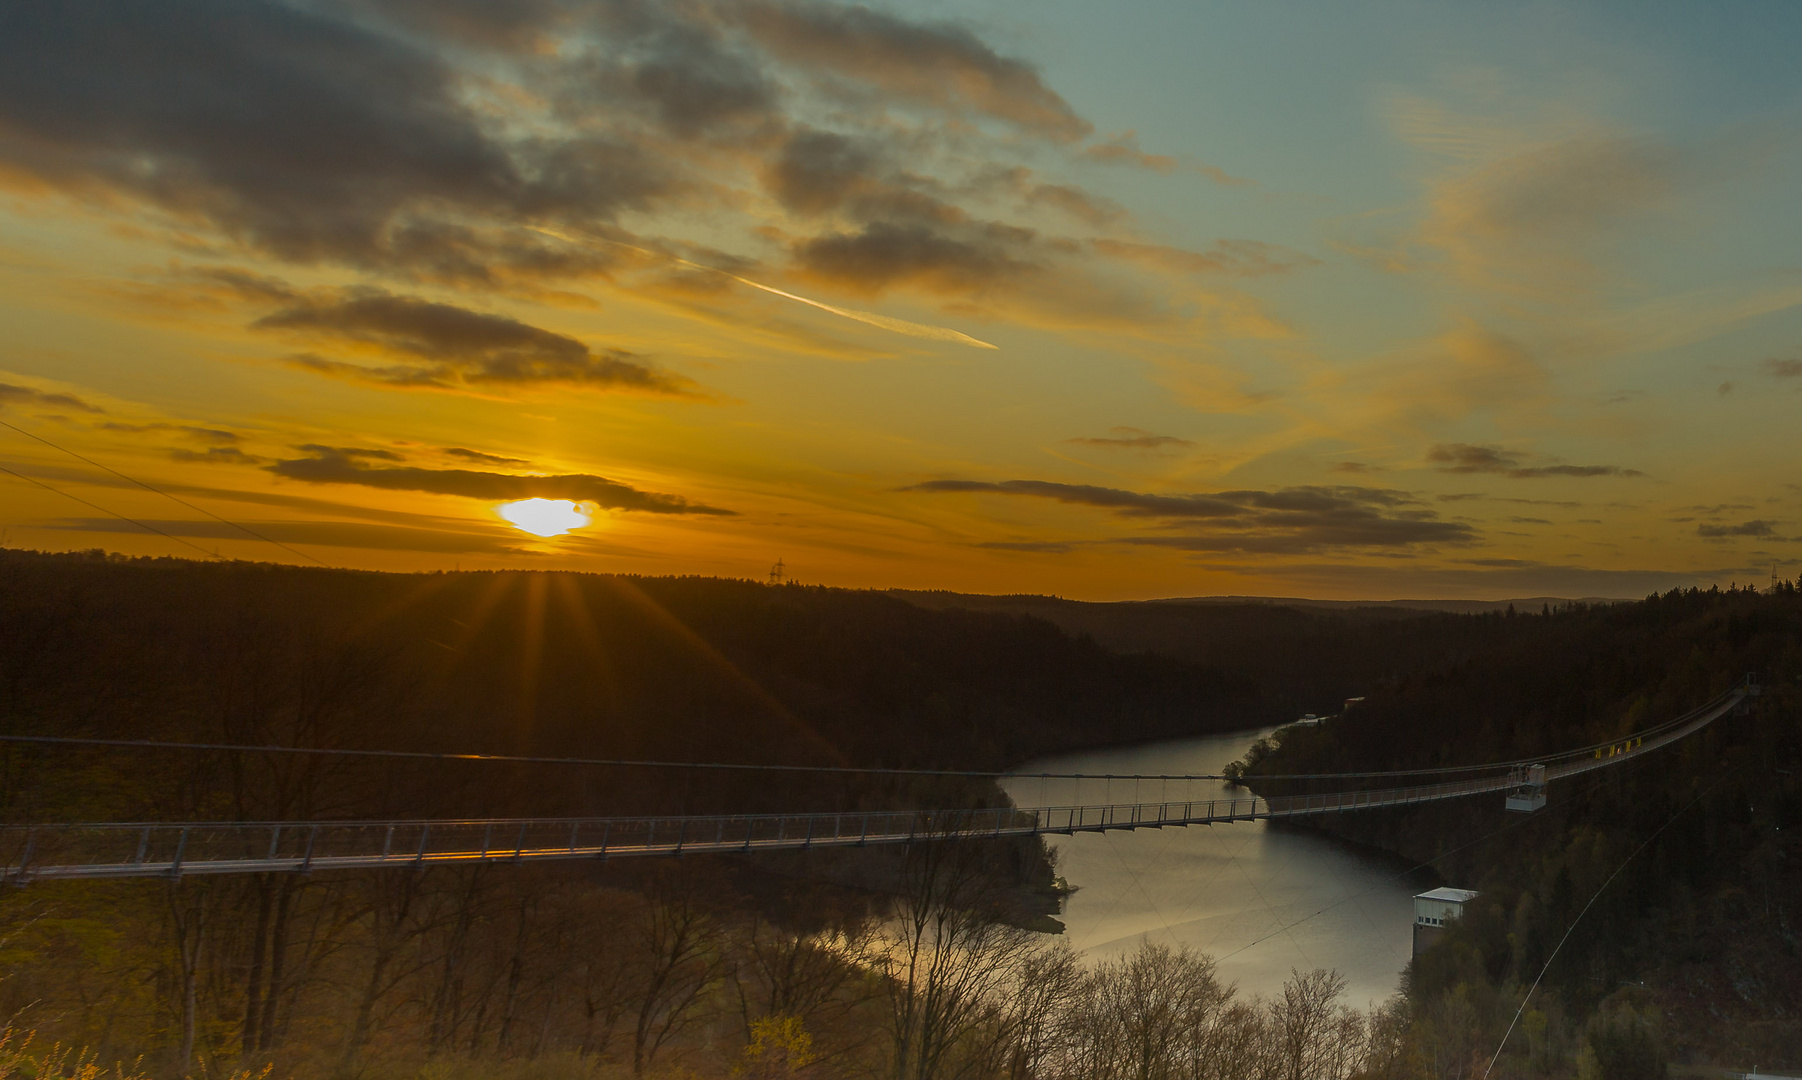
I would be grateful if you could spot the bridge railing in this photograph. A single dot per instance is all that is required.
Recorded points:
(29, 852)
(137, 849)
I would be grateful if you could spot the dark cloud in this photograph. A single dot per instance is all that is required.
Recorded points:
(364, 452)
(329, 467)
(1465, 458)
(885, 253)
(1309, 539)
(817, 171)
(942, 64)
(1285, 521)
(368, 133)
(1783, 369)
(302, 132)
(25, 395)
(216, 455)
(537, 146)
(686, 72)
(1131, 438)
(192, 431)
(1219, 504)
(1744, 528)
(485, 459)
(508, 25)
(442, 346)
(895, 228)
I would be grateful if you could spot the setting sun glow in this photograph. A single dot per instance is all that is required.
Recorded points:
(544, 517)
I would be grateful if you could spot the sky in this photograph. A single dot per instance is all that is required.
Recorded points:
(1107, 301)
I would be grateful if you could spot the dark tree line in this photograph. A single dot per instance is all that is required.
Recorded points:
(1693, 950)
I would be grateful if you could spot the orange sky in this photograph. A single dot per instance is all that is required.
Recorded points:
(996, 299)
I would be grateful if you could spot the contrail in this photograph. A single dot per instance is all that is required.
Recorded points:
(899, 326)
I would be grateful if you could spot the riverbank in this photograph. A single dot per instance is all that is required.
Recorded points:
(1263, 899)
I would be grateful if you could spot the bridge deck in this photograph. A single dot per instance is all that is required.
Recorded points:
(160, 849)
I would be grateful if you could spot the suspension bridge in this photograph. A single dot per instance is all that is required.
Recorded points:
(99, 850)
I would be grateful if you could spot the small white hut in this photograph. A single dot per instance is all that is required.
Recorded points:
(1435, 910)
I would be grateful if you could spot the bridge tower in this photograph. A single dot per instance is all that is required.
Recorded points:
(1527, 792)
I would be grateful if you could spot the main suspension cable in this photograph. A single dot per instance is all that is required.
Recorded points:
(719, 766)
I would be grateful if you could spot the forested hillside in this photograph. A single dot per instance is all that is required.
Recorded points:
(880, 962)
(1694, 948)
(675, 669)
(1303, 658)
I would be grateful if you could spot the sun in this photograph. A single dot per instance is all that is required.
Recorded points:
(544, 517)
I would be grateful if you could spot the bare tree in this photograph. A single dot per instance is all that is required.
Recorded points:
(1314, 1037)
(815, 975)
(1150, 1015)
(681, 961)
(1048, 983)
(951, 955)
(188, 911)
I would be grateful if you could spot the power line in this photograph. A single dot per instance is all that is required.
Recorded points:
(104, 510)
(160, 491)
(525, 759)
(1598, 894)
(1393, 877)
(1425, 865)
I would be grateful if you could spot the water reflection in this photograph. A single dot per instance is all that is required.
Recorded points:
(1222, 888)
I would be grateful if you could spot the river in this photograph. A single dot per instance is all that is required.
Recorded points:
(1226, 890)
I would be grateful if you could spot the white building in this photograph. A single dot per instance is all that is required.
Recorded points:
(1435, 910)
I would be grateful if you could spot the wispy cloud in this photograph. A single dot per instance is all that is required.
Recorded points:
(942, 64)
(1466, 458)
(431, 345)
(1232, 258)
(1283, 521)
(1753, 528)
(11, 395)
(1123, 149)
(481, 458)
(1039, 547)
(331, 466)
(1132, 438)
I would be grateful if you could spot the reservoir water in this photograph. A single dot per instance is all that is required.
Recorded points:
(1262, 899)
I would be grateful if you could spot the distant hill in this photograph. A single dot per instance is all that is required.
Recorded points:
(1304, 655)
(980, 601)
(1462, 607)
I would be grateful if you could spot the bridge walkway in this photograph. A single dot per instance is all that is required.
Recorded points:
(174, 849)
